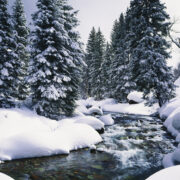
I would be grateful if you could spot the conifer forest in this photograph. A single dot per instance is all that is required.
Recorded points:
(104, 109)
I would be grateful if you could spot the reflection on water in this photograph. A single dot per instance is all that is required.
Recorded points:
(133, 149)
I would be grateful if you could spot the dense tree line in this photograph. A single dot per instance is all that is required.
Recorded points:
(139, 51)
(46, 64)
(48, 69)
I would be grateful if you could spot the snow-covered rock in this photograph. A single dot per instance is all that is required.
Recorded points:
(5, 177)
(135, 96)
(89, 107)
(24, 134)
(95, 110)
(107, 119)
(91, 121)
(171, 173)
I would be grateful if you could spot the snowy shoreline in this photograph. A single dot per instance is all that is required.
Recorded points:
(170, 112)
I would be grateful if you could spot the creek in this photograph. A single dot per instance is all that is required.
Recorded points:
(133, 149)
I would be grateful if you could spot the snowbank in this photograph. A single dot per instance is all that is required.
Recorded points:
(173, 126)
(135, 96)
(24, 134)
(168, 108)
(171, 173)
(107, 120)
(110, 105)
(5, 177)
(131, 109)
(171, 112)
(91, 121)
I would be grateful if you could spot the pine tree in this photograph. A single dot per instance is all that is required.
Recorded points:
(89, 59)
(56, 55)
(120, 63)
(95, 67)
(9, 63)
(149, 49)
(105, 72)
(21, 32)
(74, 47)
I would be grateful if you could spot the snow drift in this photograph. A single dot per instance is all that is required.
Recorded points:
(24, 134)
(166, 174)
(171, 112)
(5, 177)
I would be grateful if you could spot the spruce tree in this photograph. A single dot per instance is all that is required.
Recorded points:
(76, 54)
(120, 63)
(149, 49)
(95, 66)
(55, 57)
(105, 72)
(89, 60)
(21, 32)
(9, 62)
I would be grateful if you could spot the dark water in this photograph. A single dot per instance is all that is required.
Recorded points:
(133, 149)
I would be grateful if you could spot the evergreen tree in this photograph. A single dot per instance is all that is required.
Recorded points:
(75, 53)
(55, 57)
(105, 71)
(9, 63)
(21, 32)
(95, 67)
(149, 49)
(120, 63)
(89, 59)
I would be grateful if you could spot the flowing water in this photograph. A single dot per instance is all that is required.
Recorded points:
(133, 149)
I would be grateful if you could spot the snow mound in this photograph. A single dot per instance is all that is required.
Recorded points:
(5, 177)
(107, 119)
(91, 121)
(167, 109)
(171, 173)
(95, 110)
(24, 134)
(135, 96)
(172, 123)
(90, 106)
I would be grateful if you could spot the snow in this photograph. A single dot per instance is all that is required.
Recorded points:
(167, 174)
(135, 96)
(167, 109)
(110, 105)
(91, 121)
(4, 71)
(107, 120)
(131, 109)
(171, 112)
(5, 177)
(23, 134)
(95, 110)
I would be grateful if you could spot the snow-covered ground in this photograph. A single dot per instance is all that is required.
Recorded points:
(24, 134)
(5, 177)
(110, 105)
(171, 173)
(171, 112)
